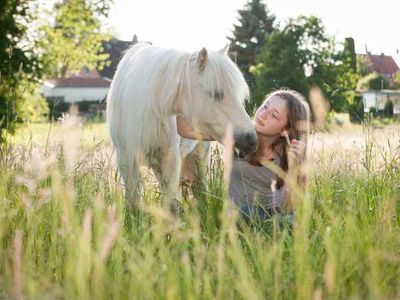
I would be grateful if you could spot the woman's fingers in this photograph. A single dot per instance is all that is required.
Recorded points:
(297, 146)
(295, 152)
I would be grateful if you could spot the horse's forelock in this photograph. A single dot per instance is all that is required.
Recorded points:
(223, 75)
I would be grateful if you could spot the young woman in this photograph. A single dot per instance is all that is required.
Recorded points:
(269, 180)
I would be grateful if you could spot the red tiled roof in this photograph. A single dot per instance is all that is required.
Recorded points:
(382, 64)
(80, 82)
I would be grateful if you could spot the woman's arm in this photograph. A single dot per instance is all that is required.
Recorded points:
(296, 179)
(186, 130)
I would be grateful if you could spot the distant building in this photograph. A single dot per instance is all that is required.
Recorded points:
(88, 89)
(86, 86)
(382, 64)
(377, 100)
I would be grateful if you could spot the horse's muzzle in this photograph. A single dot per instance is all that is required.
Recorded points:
(246, 142)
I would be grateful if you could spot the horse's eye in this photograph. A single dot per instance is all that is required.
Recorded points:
(216, 94)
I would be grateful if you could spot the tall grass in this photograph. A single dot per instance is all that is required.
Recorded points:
(65, 233)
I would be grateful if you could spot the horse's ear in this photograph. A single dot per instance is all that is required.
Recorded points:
(202, 58)
(224, 50)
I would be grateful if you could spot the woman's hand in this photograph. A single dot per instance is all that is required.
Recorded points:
(296, 153)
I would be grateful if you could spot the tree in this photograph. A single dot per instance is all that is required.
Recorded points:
(18, 62)
(346, 77)
(349, 53)
(292, 58)
(69, 39)
(72, 38)
(396, 80)
(364, 65)
(301, 56)
(388, 109)
(250, 35)
(356, 107)
(373, 81)
(279, 65)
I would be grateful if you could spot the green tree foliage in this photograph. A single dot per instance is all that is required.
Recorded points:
(349, 53)
(388, 109)
(363, 65)
(396, 81)
(301, 56)
(373, 81)
(250, 35)
(71, 39)
(346, 78)
(280, 65)
(355, 106)
(36, 45)
(379, 82)
(18, 62)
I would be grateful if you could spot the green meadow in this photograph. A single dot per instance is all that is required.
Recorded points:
(65, 232)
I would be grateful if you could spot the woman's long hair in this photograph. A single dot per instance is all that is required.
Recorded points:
(297, 127)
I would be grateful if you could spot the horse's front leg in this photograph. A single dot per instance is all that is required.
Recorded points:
(129, 170)
(170, 177)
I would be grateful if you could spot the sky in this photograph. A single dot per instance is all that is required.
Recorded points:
(189, 25)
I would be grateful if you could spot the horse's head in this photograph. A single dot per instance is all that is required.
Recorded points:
(213, 97)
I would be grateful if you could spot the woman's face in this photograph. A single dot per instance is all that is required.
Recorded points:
(271, 117)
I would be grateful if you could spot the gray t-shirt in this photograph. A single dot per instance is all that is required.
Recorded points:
(250, 187)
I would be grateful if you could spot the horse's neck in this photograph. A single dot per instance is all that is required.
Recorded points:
(176, 108)
(172, 90)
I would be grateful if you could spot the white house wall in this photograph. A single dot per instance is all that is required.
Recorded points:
(76, 94)
(378, 100)
(369, 100)
(381, 100)
(396, 103)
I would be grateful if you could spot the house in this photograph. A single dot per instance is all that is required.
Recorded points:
(88, 89)
(378, 100)
(382, 64)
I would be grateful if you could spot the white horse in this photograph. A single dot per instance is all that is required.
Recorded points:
(150, 88)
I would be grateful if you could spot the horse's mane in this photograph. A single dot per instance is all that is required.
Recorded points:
(157, 76)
